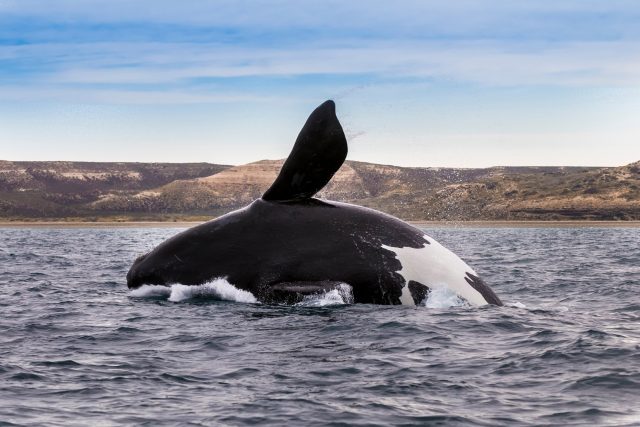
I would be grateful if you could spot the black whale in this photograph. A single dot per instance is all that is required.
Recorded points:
(288, 244)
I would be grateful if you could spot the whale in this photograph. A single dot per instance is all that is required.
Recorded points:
(289, 245)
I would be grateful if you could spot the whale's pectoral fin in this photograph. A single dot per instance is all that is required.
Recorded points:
(294, 292)
(479, 285)
(318, 153)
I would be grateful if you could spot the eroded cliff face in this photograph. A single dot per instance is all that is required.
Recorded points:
(155, 191)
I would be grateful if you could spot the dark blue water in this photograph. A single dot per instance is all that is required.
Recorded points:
(76, 348)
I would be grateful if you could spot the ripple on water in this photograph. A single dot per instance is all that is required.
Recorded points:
(77, 347)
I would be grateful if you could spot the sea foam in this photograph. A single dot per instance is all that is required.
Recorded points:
(341, 295)
(218, 289)
(443, 298)
(516, 304)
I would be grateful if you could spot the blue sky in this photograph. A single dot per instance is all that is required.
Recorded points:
(466, 83)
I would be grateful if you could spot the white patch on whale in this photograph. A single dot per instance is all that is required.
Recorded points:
(219, 289)
(435, 266)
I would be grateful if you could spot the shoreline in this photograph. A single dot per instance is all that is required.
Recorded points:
(421, 224)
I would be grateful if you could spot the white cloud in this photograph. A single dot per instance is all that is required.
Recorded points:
(578, 63)
(493, 43)
(129, 97)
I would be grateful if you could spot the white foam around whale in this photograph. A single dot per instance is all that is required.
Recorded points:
(443, 298)
(341, 295)
(218, 289)
(516, 304)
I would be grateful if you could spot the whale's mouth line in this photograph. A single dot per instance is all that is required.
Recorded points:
(301, 292)
(340, 295)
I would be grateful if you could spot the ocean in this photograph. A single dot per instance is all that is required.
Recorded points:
(78, 348)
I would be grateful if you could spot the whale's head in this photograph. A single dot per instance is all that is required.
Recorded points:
(141, 273)
(134, 279)
(165, 264)
(196, 255)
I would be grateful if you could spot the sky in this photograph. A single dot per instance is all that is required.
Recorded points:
(461, 83)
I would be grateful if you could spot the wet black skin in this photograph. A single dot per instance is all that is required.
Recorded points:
(268, 243)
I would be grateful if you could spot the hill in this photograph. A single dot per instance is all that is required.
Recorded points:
(68, 189)
(157, 191)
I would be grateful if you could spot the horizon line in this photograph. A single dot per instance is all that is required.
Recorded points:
(347, 160)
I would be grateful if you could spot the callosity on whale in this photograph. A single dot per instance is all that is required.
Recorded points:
(289, 244)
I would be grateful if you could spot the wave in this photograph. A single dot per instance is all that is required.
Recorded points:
(341, 295)
(443, 298)
(217, 289)
(220, 289)
(516, 304)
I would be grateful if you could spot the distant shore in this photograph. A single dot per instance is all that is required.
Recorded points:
(422, 224)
